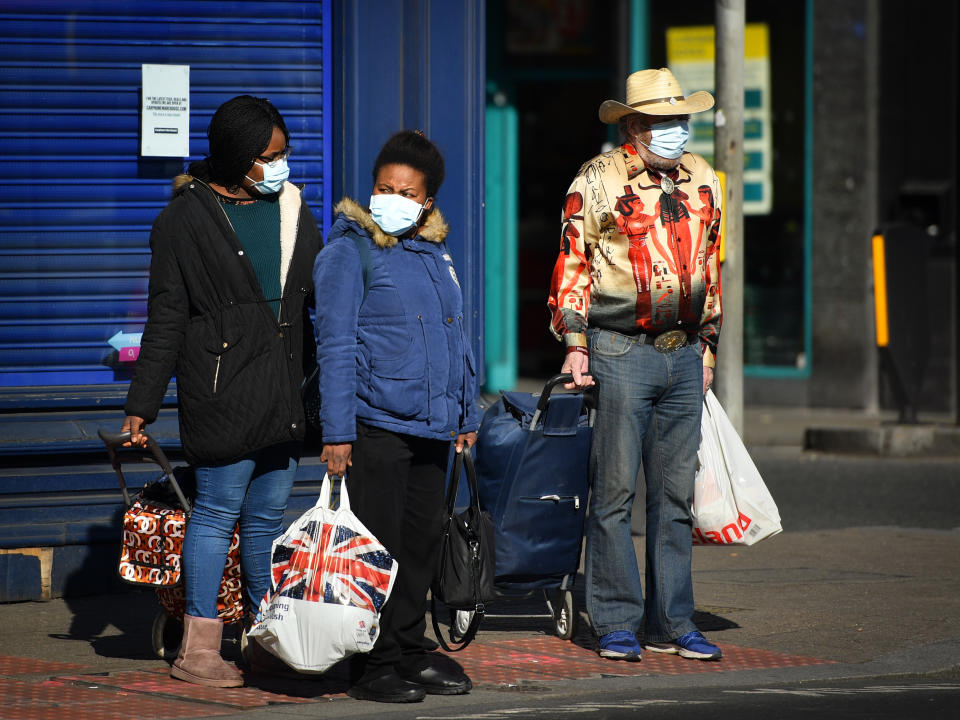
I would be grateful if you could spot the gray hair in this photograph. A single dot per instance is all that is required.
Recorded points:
(625, 122)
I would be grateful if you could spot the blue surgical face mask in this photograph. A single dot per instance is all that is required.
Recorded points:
(274, 175)
(667, 139)
(395, 214)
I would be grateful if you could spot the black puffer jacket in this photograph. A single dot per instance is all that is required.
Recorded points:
(238, 367)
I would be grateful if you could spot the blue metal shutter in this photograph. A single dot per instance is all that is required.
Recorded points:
(78, 201)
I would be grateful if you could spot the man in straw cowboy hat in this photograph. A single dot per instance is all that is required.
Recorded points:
(635, 297)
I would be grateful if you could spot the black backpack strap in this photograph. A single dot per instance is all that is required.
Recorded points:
(365, 263)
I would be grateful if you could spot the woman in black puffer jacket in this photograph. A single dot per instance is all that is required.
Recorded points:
(230, 279)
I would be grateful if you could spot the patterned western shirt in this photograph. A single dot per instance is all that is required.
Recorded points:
(638, 251)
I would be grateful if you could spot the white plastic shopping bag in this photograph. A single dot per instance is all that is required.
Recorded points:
(330, 579)
(731, 504)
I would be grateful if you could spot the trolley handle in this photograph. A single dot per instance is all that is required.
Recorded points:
(561, 379)
(115, 441)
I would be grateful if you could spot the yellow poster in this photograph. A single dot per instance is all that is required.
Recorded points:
(690, 55)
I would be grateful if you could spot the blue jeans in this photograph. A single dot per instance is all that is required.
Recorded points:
(649, 400)
(253, 491)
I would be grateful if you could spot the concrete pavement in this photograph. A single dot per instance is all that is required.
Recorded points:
(825, 603)
(800, 606)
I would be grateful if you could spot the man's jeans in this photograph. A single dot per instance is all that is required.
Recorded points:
(649, 400)
(254, 491)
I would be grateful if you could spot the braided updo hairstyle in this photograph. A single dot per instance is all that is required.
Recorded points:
(412, 148)
(239, 131)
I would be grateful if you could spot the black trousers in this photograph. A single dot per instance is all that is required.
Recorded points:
(396, 488)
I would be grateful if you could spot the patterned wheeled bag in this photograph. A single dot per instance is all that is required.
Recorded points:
(153, 528)
(229, 598)
(154, 525)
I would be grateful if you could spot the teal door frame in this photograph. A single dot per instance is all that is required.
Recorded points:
(500, 241)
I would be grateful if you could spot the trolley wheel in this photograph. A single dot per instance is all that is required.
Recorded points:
(167, 635)
(459, 624)
(564, 614)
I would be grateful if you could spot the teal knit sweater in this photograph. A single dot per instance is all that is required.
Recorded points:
(257, 225)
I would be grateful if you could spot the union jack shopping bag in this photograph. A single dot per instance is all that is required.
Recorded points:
(330, 579)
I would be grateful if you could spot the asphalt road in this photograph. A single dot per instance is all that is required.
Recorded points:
(909, 697)
(887, 699)
(816, 491)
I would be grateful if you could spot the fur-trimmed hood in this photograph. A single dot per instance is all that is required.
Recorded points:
(182, 179)
(434, 230)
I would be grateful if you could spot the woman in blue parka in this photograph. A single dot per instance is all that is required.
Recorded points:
(397, 382)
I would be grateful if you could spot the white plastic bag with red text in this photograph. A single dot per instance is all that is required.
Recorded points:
(330, 577)
(731, 504)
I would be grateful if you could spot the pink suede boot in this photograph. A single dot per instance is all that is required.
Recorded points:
(199, 661)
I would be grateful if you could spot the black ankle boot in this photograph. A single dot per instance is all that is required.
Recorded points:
(386, 686)
(437, 674)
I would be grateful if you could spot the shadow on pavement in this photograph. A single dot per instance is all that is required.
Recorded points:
(115, 618)
(334, 681)
(115, 626)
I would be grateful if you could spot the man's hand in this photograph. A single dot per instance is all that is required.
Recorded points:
(707, 378)
(467, 439)
(577, 364)
(134, 425)
(338, 458)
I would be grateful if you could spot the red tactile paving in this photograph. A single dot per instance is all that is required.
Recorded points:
(157, 696)
(11, 665)
(160, 683)
(550, 659)
(56, 700)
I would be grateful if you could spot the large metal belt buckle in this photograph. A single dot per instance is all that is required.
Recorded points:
(670, 341)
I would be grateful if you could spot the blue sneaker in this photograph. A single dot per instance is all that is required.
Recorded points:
(620, 645)
(692, 645)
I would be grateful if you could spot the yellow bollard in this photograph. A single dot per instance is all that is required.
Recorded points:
(880, 291)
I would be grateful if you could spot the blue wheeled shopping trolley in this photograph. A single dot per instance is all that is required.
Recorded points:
(531, 456)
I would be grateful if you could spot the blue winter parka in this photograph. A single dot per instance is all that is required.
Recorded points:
(393, 352)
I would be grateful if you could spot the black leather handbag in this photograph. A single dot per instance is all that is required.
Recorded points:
(464, 579)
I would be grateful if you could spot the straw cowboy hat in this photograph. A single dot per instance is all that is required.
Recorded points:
(655, 92)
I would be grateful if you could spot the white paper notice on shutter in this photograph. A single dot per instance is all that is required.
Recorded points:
(165, 114)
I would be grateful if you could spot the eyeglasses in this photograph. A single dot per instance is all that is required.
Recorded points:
(282, 155)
